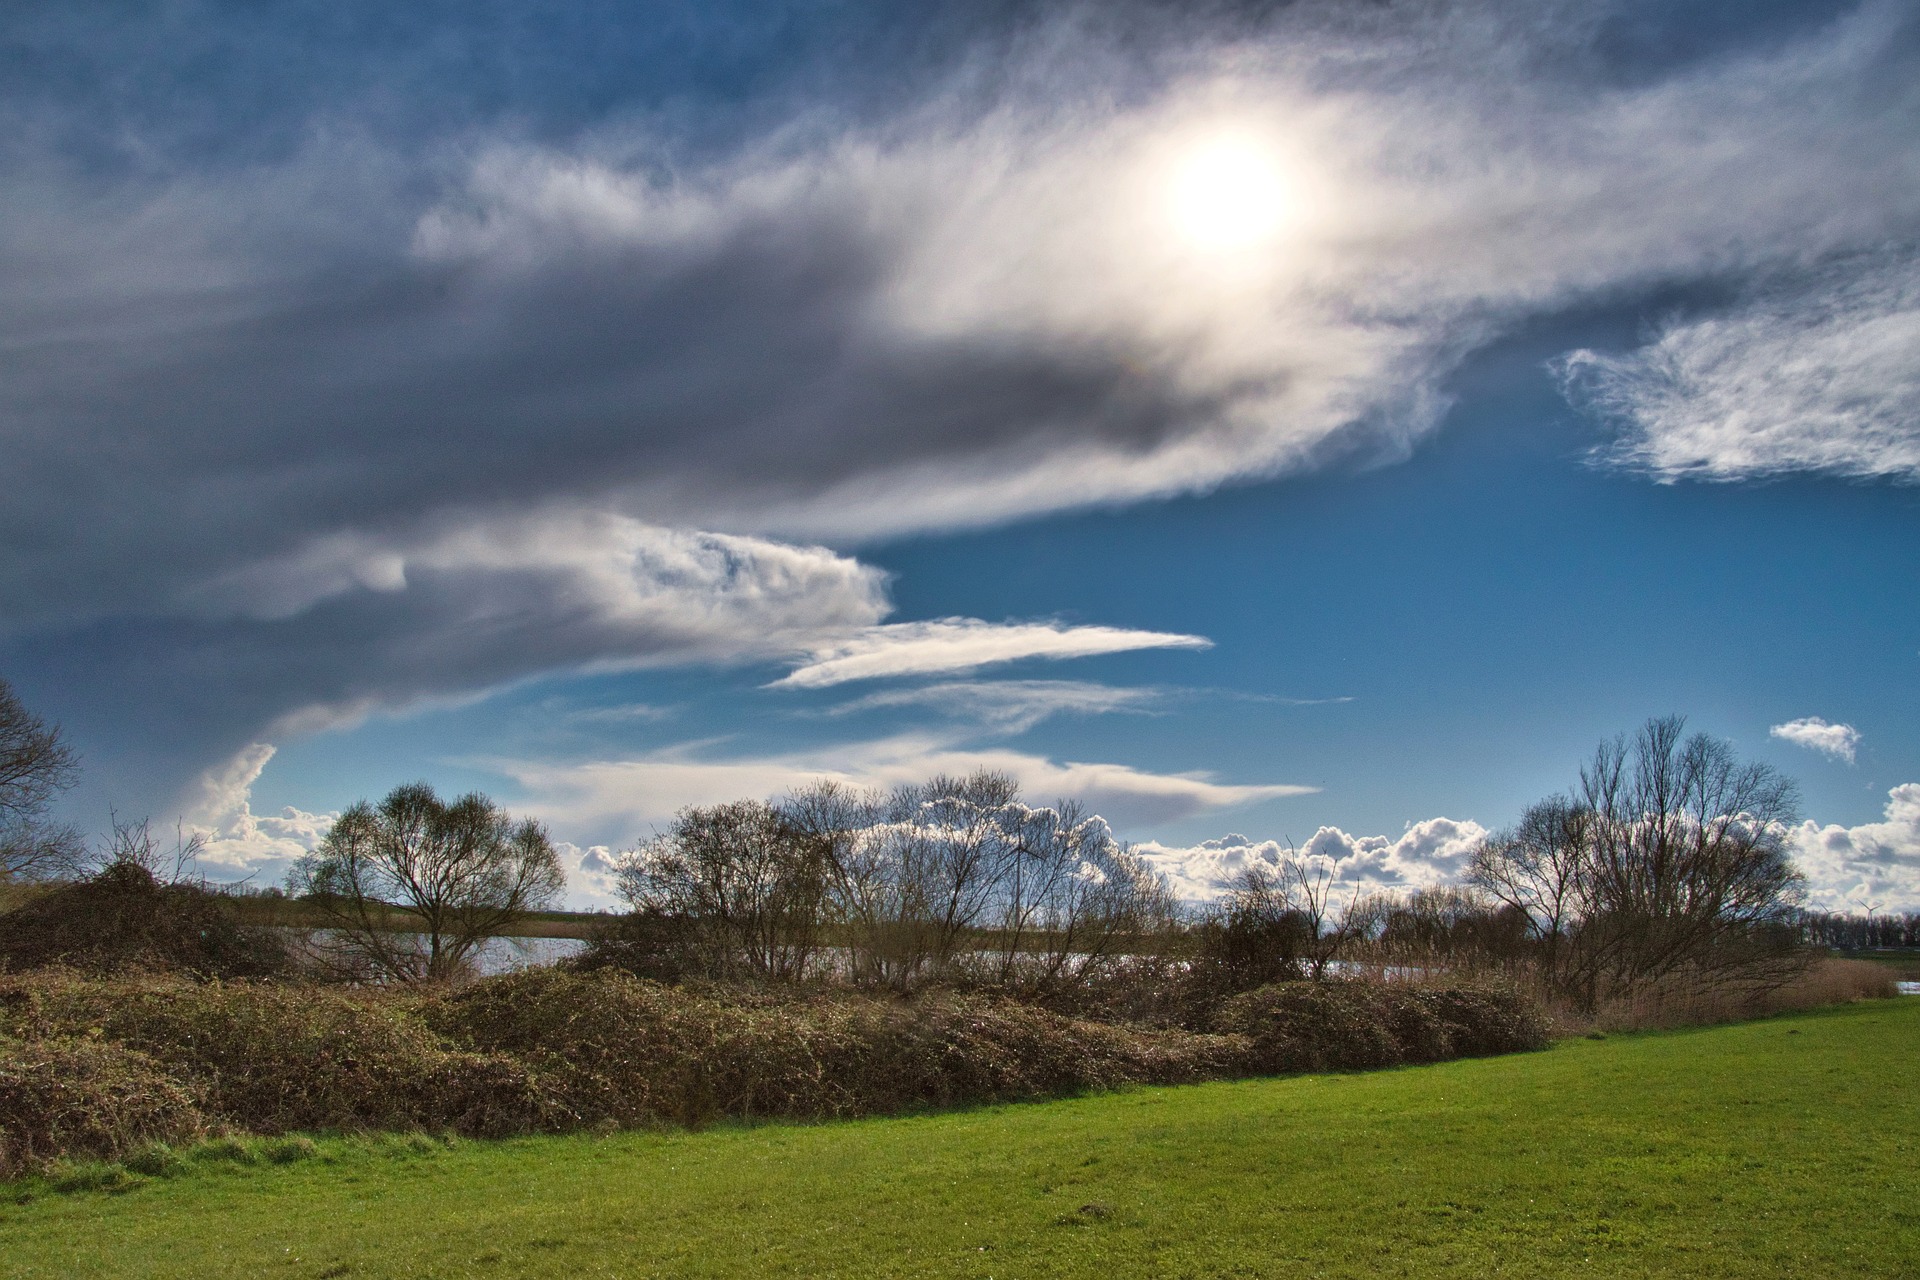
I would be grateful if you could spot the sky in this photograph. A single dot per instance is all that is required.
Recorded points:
(1308, 426)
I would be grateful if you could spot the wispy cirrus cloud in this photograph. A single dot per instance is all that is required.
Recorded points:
(1837, 740)
(1010, 706)
(1818, 375)
(965, 644)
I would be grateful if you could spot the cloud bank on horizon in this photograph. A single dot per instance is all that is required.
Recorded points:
(607, 806)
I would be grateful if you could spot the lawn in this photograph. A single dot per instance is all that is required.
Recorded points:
(1783, 1147)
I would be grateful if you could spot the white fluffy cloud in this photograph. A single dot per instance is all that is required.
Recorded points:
(1875, 865)
(1836, 740)
(965, 644)
(620, 800)
(1427, 854)
(1848, 869)
(592, 874)
(1821, 376)
(610, 804)
(239, 842)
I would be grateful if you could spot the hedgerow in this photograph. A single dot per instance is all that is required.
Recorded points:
(100, 1067)
(614, 1047)
(1348, 1025)
(277, 1059)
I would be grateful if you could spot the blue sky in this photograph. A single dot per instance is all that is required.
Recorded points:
(1320, 425)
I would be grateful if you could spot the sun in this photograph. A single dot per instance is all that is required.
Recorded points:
(1228, 194)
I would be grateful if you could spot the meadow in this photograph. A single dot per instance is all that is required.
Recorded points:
(1788, 1145)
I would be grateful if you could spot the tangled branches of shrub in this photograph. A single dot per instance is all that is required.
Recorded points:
(125, 919)
(617, 1048)
(1354, 1026)
(276, 1059)
(85, 1097)
(549, 1050)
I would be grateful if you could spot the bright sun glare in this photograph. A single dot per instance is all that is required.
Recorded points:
(1228, 194)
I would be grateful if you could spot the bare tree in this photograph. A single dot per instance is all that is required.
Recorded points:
(1073, 901)
(963, 843)
(1309, 883)
(743, 888)
(35, 766)
(1687, 867)
(1539, 868)
(1669, 858)
(1254, 935)
(875, 893)
(915, 872)
(959, 873)
(411, 888)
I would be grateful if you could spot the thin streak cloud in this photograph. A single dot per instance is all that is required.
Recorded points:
(966, 644)
(1010, 706)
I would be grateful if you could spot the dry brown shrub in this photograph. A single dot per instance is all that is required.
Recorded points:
(273, 1059)
(1351, 1025)
(624, 1049)
(1682, 1003)
(552, 1049)
(124, 920)
(87, 1098)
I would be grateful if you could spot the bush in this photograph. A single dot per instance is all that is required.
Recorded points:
(1352, 1025)
(274, 1059)
(289, 1150)
(156, 1161)
(1684, 1000)
(84, 1097)
(942, 1050)
(100, 1068)
(125, 920)
(617, 1048)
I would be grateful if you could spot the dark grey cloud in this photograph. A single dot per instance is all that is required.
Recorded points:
(440, 621)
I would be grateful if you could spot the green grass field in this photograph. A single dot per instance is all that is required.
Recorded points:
(1783, 1147)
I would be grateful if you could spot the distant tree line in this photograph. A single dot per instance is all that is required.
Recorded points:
(1848, 932)
(1666, 863)
(952, 878)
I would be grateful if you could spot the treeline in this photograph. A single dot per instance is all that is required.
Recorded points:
(836, 952)
(1860, 932)
(1665, 865)
(956, 878)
